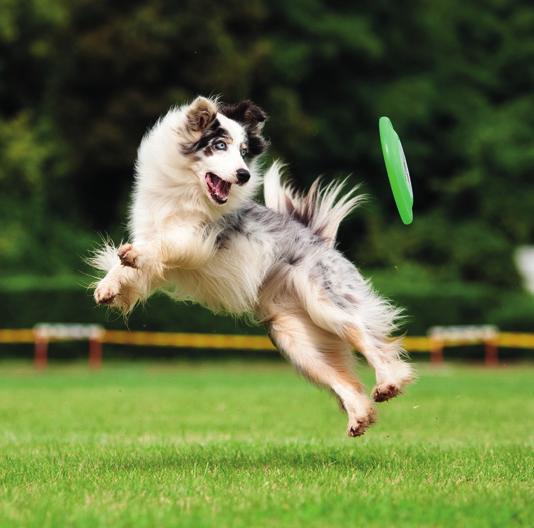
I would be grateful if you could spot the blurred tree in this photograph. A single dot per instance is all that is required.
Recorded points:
(82, 80)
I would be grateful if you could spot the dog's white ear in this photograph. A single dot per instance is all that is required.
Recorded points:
(200, 114)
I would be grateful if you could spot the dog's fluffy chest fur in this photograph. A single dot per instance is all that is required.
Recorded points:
(253, 245)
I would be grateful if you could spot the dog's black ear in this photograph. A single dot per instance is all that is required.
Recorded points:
(249, 114)
(252, 117)
(200, 114)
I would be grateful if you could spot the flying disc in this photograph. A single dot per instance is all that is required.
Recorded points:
(397, 169)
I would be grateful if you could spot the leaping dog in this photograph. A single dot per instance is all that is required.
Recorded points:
(197, 233)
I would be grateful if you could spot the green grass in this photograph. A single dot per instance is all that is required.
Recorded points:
(251, 444)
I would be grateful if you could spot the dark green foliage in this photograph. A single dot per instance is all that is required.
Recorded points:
(514, 312)
(427, 303)
(81, 81)
(26, 304)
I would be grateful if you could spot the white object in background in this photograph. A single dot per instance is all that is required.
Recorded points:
(464, 334)
(525, 263)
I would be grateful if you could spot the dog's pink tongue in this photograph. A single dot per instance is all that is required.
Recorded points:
(223, 188)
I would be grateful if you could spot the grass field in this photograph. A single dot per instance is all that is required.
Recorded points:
(251, 444)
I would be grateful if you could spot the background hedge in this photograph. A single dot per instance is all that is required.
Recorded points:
(26, 300)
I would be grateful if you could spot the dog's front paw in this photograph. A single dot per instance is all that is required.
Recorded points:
(128, 256)
(106, 292)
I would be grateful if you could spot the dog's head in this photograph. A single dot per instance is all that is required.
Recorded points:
(220, 141)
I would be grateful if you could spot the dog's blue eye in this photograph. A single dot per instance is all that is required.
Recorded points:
(220, 145)
(243, 151)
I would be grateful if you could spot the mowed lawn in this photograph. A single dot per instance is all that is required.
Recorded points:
(251, 444)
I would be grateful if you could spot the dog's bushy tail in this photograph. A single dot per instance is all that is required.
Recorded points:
(322, 208)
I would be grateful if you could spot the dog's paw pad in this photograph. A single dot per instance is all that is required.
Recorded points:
(128, 255)
(385, 391)
(105, 294)
(357, 427)
(356, 430)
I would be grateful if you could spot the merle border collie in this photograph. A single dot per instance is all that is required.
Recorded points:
(197, 234)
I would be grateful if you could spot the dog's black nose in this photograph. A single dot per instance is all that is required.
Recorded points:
(243, 176)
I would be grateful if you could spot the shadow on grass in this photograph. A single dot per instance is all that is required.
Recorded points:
(468, 460)
(470, 463)
(309, 457)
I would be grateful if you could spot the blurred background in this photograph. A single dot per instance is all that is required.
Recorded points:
(80, 82)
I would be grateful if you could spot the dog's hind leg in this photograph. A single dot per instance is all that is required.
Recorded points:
(384, 355)
(345, 305)
(324, 359)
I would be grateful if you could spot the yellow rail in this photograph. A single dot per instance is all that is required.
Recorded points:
(512, 340)
(416, 344)
(250, 342)
(22, 335)
(236, 342)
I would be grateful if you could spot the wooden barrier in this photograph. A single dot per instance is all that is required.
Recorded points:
(182, 340)
(45, 333)
(20, 335)
(434, 344)
(515, 340)
(447, 336)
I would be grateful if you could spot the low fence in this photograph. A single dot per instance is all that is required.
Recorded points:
(433, 344)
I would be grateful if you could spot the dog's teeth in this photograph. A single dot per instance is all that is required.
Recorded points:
(218, 187)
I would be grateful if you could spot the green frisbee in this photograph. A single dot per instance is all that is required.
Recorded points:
(397, 169)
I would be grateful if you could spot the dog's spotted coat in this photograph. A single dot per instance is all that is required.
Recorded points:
(197, 233)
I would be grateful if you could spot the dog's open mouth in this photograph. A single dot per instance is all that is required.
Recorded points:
(218, 188)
